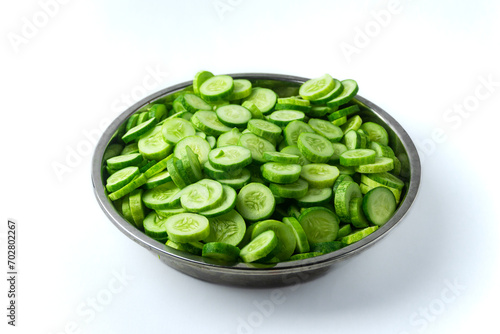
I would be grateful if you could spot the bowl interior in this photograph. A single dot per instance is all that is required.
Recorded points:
(283, 85)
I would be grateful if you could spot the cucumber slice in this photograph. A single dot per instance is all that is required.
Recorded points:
(203, 195)
(255, 202)
(345, 192)
(129, 187)
(227, 204)
(175, 129)
(259, 247)
(281, 157)
(230, 158)
(316, 197)
(344, 112)
(284, 233)
(175, 174)
(199, 79)
(285, 117)
(318, 111)
(154, 227)
(380, 165)
(229, 228)
(242, 88)
(220, 251)
(331, 132)
(208, 122)
(200, 147)
(294, 129)
(233, 115)
(153, 146)
(130, 148)
(132, 121)
(344, 230)
(367, 184)
(280, 173)
(162, 197)
(319, 224)
(192, 165)
(121, 161)
(170, 212)
(237, 181)
(382, 150)
(158, 111)
(121, 178)
(263, 98)
(127, 214)
(143, 117)
(336, 90)
(320, 175)
(187, 227)
(158, 179)
(229, 138)
(193, 103)
(387, 179)
(302, 245)
(256, 113)
(158, 167)
(314, 147)
(296, 189)
(315, 89)
(137, 208)
(356, 214)
(350, 89)
(357, 157)
(340, 121)
(358, 235)
(338, 149)
(293, 103)
(265, 129)
(376, 133)
(353, 123)
(303, 256)
(216, 88)
(256, 145)
(138, 130)
(379, 204)
(294, 150)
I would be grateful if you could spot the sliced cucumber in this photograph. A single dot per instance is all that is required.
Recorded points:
(327, 129)
(230, 158)
(320, 175)
(376, 132)
(200, 147)
(233, 115)
(297, 189)
(356, 213)
(259, 247)
(314, 147)
(161, 197)
(316, 197)
(358, 235)
(229, 138)
(379, 204)
(242, 88)
(217, 88)
(357, 157)
(255, 202)
(203, 195)
(302, 245)
(138, 130)
(226, 205)
(199, 79)
(154, 226)
(281, 157)
(319, 224)
(294, 129)
(221, 251)
(153, 146)
(263, 98)
(380, 165)
(229, 228)
(285, 117)
(265, 129)
(284, 233)
(121, 161)
(256, 145)
(121, 178)
(315, 89)
(350, 89)
(187, 227)
(345, 192)
(175, 129)
(280, 173)
(208, 122)
(193, 103)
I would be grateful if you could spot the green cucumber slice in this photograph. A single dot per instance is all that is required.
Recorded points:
(137, 208)
(281, 157)
(263, 98)
(193, 103)
(296, 189)
(200, 147)
(229, 228)
(158, 111)
(227, 204)
(161, 197)
(208, 122)
(216, 88)
(294, 150)
(285, 117)
(350, 89)
(154, 227)
(121, 161)
(265, 129)
(129, 187)
(203, 195)
(175, 129)
(380, 165)
(121, 178)
(327, 129)
(345, 192)
(294, 129)
(315, 89)
(319, 224)
(158, 179)
(256, 145)
(230, 158)
(344, 112)
(302, 245)
(376, 133)
(233, 115)
(236, 181)
(229, 138)
(320, 175)
(259, 247)
(220, 251)
(284, 233)
(252, 107)
(326, 247)
(358, 235)
(353, 123)
(242, 88)
(153, 146)
(387, 179)
(175, 173)
(280, 173)
(138, 130)
(356, 213)
(357, 157)
(187, 227)
(199, 79)
(255, 202)
(314, 147)
(316, 197)
(334, 92)
(379, 204)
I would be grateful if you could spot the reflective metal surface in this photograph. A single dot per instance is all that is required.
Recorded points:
(258, 274)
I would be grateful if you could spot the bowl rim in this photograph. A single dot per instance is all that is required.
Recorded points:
(290, 267)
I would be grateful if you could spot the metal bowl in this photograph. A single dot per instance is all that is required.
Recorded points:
(261, 275)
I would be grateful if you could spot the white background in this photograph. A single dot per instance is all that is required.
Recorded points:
(68, 68)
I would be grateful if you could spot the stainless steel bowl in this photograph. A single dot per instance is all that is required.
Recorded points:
(257, 274)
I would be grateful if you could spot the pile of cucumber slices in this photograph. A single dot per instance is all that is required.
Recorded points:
(244, 171)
